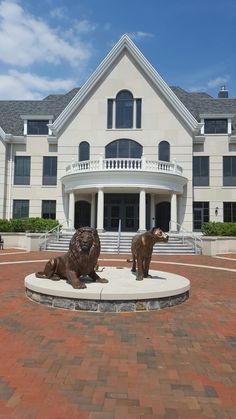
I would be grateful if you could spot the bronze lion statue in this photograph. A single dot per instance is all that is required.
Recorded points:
(80, 260)
(142, 247)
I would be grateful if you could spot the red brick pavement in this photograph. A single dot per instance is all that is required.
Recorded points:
(172, 364)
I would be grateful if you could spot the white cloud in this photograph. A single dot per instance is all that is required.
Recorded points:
(140, 35)
(211, 84)
(58, 13)
(27, 86)
(25, 40)
(84, 26)
(218, 81)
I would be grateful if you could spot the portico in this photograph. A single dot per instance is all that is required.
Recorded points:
(118, 194)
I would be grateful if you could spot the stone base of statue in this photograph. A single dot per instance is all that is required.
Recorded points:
(121, 294)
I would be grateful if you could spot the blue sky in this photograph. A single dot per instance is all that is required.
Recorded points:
(51, 46)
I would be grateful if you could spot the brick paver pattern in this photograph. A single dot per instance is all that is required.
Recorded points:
(172, 363)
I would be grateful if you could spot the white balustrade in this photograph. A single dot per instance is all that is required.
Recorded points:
(123, 164)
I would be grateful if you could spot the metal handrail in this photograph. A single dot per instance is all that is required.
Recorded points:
(185, 234)
(118, 238)
(45, 237)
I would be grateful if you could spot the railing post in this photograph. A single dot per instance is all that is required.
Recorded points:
(101, 162)
(143, 159)
(118, 240)
(175, 166)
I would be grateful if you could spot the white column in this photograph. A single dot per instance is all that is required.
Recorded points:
(152, 211)
(92, 218)
(71, 210)
(100, 211)
(142, 211)
(173, 212)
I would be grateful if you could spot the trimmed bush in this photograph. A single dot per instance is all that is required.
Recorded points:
(32, 225)
(219, 229)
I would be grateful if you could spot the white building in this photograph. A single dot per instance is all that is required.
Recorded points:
(125, 146)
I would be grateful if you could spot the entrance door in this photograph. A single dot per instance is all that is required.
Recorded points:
(82, 214)
(163, 215)
(124, 207)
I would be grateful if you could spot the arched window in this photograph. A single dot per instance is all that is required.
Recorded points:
(164, 151)
(84, 151)
(124, 109)
(123, 148)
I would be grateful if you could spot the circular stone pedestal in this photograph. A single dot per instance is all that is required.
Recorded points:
(122, 293)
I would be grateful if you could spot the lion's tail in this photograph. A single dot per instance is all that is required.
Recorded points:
(129, 260)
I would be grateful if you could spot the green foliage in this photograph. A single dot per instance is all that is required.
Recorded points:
(219, 229)
(32, 225)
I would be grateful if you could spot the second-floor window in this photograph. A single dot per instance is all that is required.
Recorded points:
(84, 151)
(22, 170)
(123, 148)
(229, 171)
(215, 126)
(124, 111)
(201, 171)
(49, 170)
(164, 151)
(37, 127)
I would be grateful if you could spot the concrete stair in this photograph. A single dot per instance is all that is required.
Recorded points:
(109, 241)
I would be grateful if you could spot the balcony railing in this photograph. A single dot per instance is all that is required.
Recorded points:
(124, 164)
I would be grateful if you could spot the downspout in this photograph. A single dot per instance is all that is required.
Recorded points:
(10, 182)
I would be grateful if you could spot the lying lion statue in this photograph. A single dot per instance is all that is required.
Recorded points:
(80, 260)
(142, 247)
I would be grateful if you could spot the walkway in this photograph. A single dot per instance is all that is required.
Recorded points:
(174, 363)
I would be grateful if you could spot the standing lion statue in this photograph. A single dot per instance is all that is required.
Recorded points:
(80, 260)
(142, 247)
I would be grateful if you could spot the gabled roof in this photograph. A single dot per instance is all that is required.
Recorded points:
(123, 44)
(11, 110)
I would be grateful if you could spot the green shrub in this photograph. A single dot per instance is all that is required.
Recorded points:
(214, 228)
(5, 225)
(32, 225)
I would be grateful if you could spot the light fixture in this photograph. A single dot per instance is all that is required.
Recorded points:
(216, 211)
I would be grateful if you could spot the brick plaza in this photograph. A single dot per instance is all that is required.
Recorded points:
(173, 363)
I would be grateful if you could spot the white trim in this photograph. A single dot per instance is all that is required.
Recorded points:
(34, 117)
(125, 43)
(216, 115)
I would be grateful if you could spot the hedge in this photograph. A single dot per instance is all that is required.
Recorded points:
(214, 228)
(32, 225)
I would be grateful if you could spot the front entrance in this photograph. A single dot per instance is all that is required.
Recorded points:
(82, 214)
(124, 207)
(163, 215)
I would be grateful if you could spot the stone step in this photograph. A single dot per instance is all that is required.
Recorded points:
(109, 241)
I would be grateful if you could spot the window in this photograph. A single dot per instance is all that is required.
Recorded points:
(138, 112)
(229, 171)
(201, 171)
(49, 209)
(200, 214)
(49, 170)
(127, 111)
(230, 212)
(22, 170)
(124, 109)
(37, 127)
(123, 148)
(84, 151)
(164, 151)
(20, 208)
(109, 113)
(215, 126)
